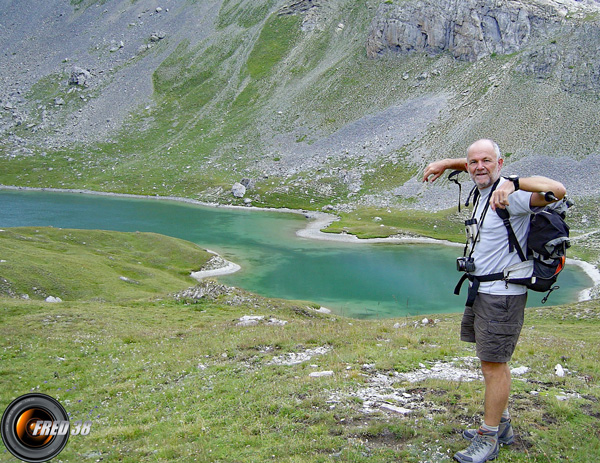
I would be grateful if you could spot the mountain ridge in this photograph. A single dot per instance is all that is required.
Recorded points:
(186, 98)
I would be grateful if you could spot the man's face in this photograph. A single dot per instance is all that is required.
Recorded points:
(483, 164)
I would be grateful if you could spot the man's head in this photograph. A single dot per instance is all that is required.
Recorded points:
(484, 162)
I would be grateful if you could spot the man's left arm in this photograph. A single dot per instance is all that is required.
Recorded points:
(537, 185)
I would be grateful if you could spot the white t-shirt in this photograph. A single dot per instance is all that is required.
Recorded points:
(491, 252)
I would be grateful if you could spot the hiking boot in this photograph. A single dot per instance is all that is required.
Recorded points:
(505, 432)
(484, 447)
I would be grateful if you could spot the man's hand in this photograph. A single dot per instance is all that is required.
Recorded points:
(499, 198)
(435, 169)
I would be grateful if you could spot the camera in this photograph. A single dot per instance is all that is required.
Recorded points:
(465, 264)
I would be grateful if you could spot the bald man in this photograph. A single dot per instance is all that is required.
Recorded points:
(493, 320)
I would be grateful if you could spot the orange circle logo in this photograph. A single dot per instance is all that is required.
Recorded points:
(35, 428)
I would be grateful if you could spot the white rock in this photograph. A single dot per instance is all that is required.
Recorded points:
(559, 370)
(519, 371)
(53, 299)
(238, 190)
(393, 408)
(295, 358)
(318, 374)
(250, 320)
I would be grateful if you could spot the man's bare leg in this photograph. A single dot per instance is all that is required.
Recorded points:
(497, 390)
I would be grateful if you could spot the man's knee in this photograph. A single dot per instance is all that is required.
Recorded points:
(494, 369)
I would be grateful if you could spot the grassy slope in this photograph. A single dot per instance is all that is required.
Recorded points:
(166, 381)
(94, 265)
(378, 223)
(169, 380)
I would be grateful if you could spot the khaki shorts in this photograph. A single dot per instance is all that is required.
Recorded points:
(494, 324)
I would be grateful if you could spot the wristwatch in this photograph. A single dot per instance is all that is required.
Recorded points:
(514, 179)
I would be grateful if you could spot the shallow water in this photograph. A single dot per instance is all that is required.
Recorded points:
(362, 281)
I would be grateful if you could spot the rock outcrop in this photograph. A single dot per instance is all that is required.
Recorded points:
(553, 35)
(79, 77)
(467, 29)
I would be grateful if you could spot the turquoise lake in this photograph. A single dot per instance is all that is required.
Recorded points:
(355, 280)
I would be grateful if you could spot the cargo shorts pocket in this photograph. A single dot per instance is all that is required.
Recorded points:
(501, 328)
(499, 341)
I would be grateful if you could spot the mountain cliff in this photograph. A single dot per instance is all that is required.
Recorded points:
(473, 30)
(306, 103)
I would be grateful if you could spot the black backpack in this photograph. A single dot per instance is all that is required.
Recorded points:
(547, 244)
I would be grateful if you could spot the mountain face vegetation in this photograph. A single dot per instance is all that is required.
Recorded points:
(310, 104)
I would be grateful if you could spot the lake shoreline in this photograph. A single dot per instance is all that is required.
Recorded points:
(316, 222)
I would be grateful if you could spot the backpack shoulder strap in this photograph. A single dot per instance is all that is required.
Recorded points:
(513, 242)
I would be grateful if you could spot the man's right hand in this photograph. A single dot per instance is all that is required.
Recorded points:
(437, 168)
(434, 170)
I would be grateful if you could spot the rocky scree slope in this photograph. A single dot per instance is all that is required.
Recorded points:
(313, 103)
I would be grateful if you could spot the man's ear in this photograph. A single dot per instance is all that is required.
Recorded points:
(500, 162)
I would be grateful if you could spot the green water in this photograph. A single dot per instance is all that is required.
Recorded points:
(356, 280)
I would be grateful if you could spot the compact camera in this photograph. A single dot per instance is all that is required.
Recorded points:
(465, 264)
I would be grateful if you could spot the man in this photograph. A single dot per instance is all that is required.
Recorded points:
(494, 320)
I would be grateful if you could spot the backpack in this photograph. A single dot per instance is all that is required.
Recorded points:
(547, 243)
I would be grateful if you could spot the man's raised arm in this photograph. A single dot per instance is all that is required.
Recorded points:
(537, 185)
(437, 168)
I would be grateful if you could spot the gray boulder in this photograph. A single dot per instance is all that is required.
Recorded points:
(238, 190)
(248, 183)
(79, 77)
